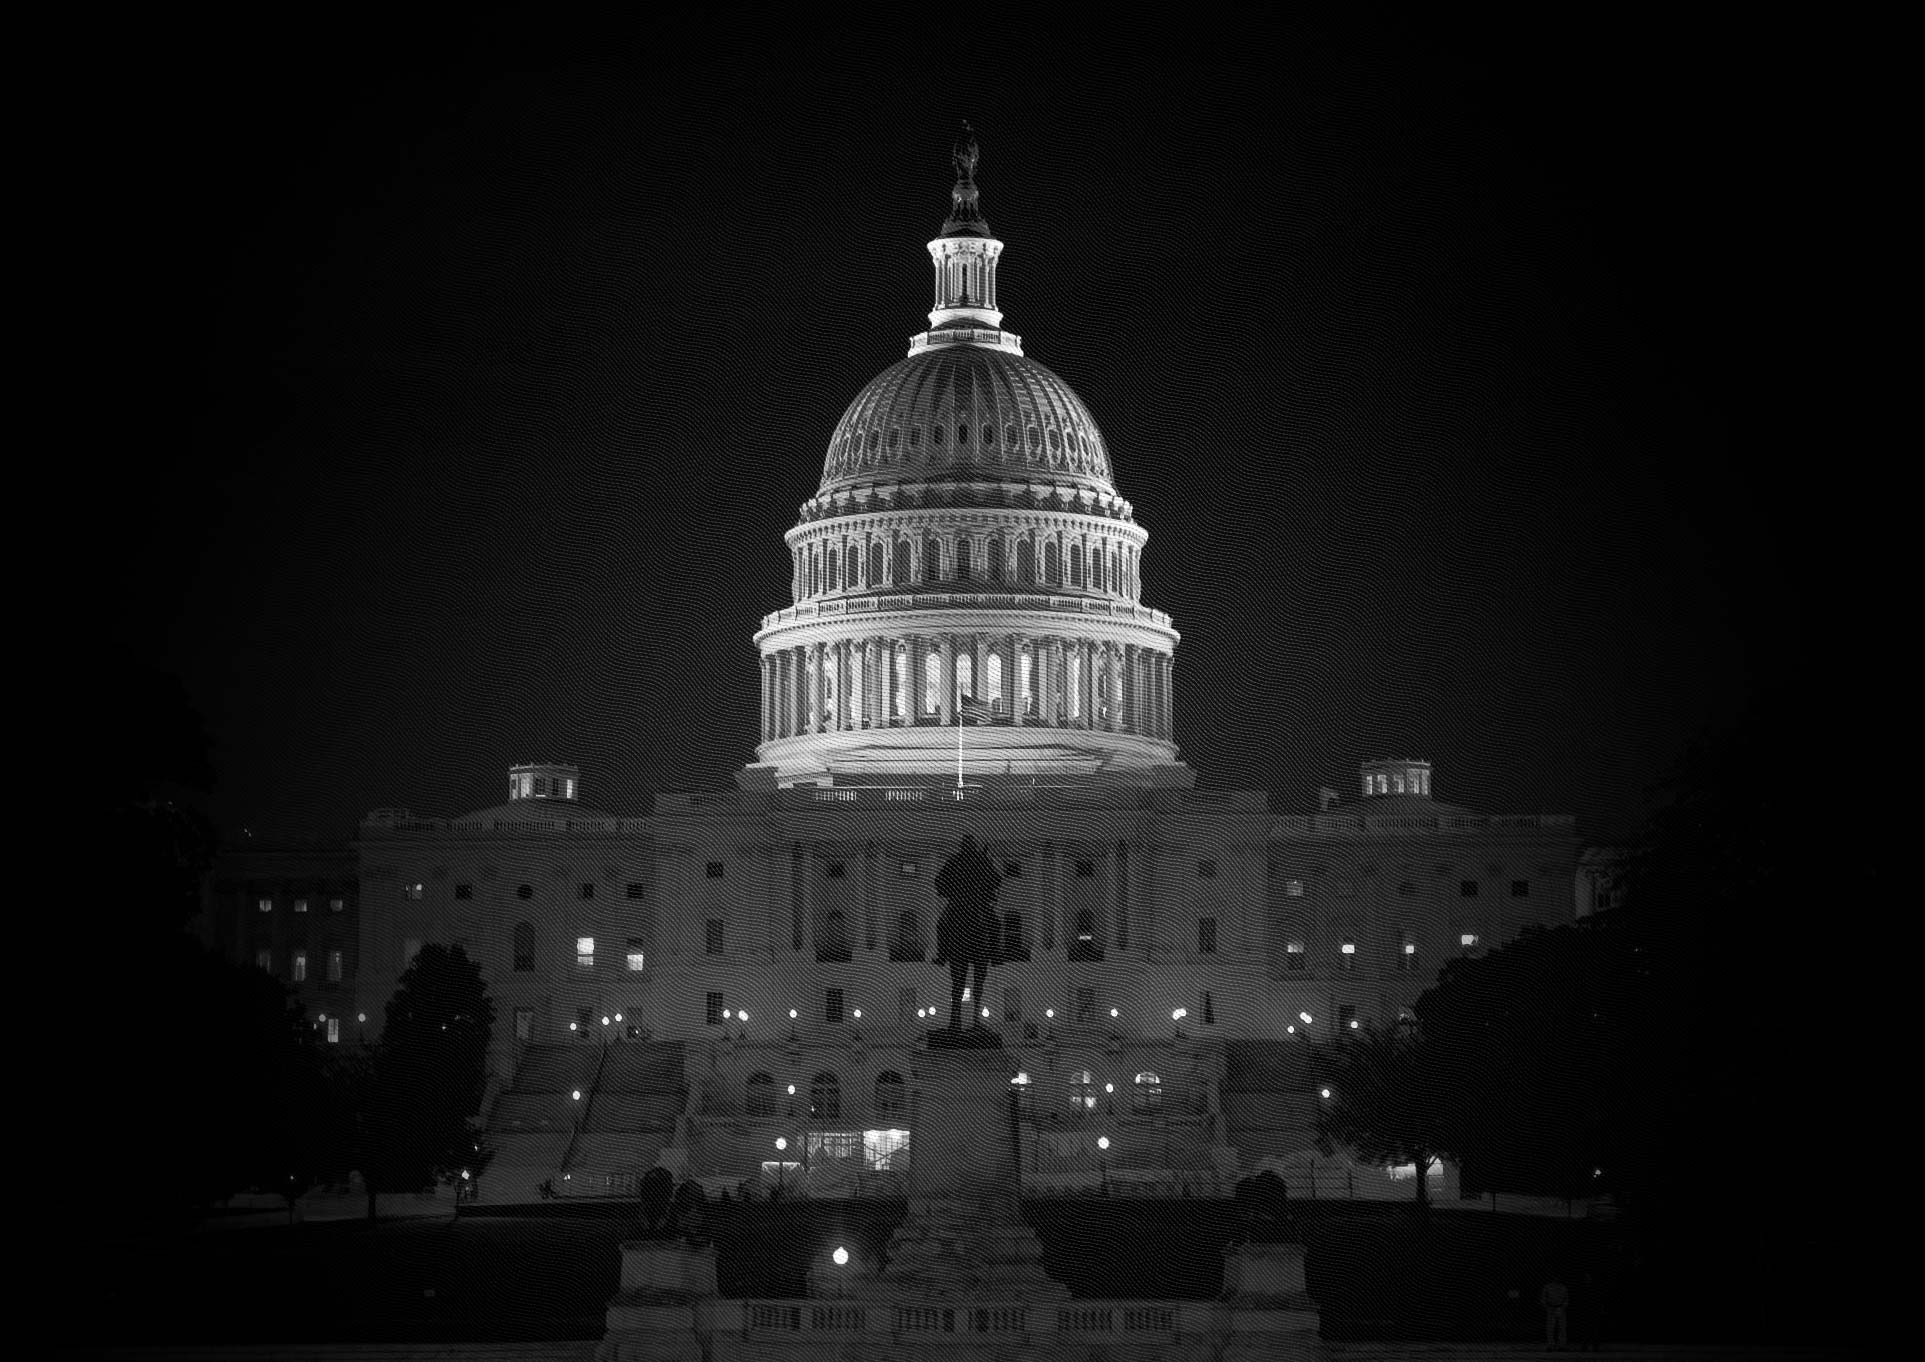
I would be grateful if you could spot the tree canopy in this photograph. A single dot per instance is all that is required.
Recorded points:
(1385, 1101)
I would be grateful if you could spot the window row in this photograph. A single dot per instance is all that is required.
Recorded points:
(634, 957)
(1405, 952)
(1084, 1009)
(1039, 440)
(298, 964)
(930, 560)
(1467, 889)
(265, 904)
(463, 892)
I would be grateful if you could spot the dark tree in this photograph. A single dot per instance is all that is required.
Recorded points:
(427, 1078)
(1385, 1102)
(656, 1191)
(1525, 1044)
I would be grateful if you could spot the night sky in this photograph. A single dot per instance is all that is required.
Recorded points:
(489, 364)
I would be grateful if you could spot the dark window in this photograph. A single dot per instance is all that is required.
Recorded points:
(1085, 869)
(1520, 889)
(832, 1006)
(1206, 870)
(837, 870)
(1206, 936)
(1015, 939)
(464, 891)
(715, 870)
(1346, 1014)
(587, 891)
(524, 948)
(890, 1102)
(1407, 889)
(1209, 1009)
(761, 1103)
(712, 1010)
(1013, 869)
(907, 943)
(715, 936)
(907, 870)
(634, 889)
(825, 1098)
(524, 891)
(1467, 889)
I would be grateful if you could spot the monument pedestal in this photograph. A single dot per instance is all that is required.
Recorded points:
(963, 1237)
(652, 1318)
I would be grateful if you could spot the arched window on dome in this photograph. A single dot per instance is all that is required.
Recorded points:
(1053, 563)
(798, 574)
(965, 681)
(891, 1105)
(1149, 1090)
(760, 1105)
(899, 571)
(895, 438)
(1096, 566)
(965, 558)
(994, 684)
(962, 434)
(907, 943)
(935, 435)
(875, 440)
(815, 572)
(1076, 565)
(832, 562)
(932, 683)
(989, 434)
(875, 563)
(1010, 436)
(993, 551)
(852, 566)
(931, 559)
(915, 437)
(1026, 562)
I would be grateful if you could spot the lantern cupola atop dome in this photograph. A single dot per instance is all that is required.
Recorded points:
(964, 257)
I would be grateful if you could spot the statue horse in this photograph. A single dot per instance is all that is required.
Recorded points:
(969, 931)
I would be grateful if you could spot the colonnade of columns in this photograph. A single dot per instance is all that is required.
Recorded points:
(906, 680)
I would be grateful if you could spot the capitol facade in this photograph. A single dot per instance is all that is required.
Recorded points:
(730, 984)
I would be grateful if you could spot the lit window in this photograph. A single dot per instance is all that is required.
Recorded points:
(1293, 888)
(907, 870)
(1082, 1090)
(265, 905)
(264, 960)
(334, 967)
(300, 905)
(585, 952)
(1149, 1090)
(635, 957)
(413, 891)
(334, 1030)
(300, 967)
(409, 949)
(1293, 955)
(1468, 940)
(337, 905)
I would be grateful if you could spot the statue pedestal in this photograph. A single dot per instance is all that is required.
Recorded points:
(1271, 1317)
(963, 1237)
(652, 1318)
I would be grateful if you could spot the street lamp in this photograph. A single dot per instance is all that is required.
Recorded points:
(1103, 1163)
(781, 1164)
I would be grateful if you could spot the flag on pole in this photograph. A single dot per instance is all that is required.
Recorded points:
(974, 711)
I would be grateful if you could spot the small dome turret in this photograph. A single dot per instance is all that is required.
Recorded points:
(544, 780)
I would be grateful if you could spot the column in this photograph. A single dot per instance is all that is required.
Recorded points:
(816, 652)
(1013, 678)
(978, 676)
(1132, 691)
(946, 687)
(915, 680)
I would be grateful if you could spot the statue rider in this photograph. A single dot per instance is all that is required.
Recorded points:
(969, 932)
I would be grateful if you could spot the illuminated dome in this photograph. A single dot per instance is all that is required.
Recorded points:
(952, 413)
(967, 564)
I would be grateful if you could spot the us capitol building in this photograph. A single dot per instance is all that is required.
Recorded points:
(730, 984)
